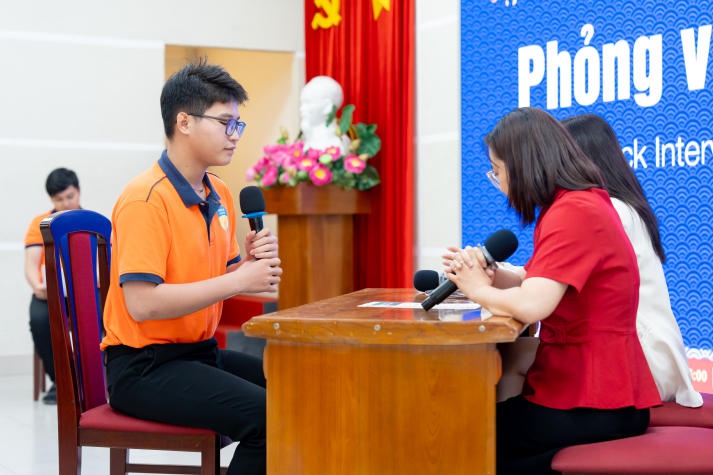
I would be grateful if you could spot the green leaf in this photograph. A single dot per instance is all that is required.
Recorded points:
(346, 121)
(350, 181)
(341, 177)
(338, 164)
(368, 178)
(332, 115)
(369, 142)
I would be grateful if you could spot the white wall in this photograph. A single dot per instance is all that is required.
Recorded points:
(79, 87)
(438, 164)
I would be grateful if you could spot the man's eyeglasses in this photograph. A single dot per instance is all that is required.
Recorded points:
(493, 179)
(231, 125)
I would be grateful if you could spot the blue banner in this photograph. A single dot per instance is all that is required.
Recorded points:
(645, 66)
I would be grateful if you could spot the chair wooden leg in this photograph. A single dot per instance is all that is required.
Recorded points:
(38, 376)
(70, 459)
(223, 441)
(210, 459)
(118, 458)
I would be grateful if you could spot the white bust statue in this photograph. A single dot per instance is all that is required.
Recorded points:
(319, 97)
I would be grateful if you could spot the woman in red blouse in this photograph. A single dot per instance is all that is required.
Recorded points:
(589, 381)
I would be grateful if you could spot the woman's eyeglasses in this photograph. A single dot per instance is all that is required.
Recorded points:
(493, 179)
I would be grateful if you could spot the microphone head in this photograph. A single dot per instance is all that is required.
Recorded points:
(425, 280)
(501, 244)
(252, 200)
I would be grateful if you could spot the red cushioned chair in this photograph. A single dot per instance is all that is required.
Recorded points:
(672, 414)
(666, 450)
(77, 247)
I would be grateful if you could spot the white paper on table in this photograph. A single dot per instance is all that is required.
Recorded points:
(440, 306)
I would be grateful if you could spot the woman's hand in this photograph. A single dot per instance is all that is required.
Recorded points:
(456, 257)
(468, 257)
(469, 269)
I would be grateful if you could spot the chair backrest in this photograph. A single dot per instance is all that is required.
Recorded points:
(77, 259)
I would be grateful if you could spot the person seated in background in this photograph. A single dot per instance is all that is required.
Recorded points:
(175, 258)
(319, 99)
(62, 186)
(656, 325)
(589, 381)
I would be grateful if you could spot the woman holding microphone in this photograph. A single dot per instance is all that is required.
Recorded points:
(589, 381)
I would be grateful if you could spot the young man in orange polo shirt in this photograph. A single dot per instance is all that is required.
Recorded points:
(175, 258)
(62, 186)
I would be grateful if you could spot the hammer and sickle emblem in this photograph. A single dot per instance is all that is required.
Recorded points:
(329, 16)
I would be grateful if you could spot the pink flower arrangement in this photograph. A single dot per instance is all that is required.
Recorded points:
(287, 164)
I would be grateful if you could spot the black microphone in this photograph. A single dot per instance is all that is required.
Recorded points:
(252, 204)
(498, 246)
(425, 280)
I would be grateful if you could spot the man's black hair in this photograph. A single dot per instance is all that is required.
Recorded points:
(194, 89)
(59, 180)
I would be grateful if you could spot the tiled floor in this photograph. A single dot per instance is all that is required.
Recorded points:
(28, 437)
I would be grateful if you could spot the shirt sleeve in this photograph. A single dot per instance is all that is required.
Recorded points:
(33, 237)
(143, 242)
(566, 243)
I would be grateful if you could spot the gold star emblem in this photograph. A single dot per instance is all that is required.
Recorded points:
(330, 12)
(379, 5)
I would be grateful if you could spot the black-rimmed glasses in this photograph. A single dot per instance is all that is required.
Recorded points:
(231, 125)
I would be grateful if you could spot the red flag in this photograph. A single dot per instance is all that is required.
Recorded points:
(368, 47)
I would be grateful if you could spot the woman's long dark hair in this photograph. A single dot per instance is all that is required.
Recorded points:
(540, 157)
(597, 139)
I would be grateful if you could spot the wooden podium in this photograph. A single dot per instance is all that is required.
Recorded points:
(316, 230)
(354, 390)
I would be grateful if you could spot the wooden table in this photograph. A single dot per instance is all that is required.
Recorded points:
(380, 391)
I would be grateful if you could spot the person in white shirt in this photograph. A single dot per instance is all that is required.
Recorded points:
(656, 325)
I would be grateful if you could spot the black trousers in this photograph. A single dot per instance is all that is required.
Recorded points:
(40, 329)
(529, 435)
(195, 385)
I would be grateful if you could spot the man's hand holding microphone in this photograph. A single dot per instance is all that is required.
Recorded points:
(261, 266)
